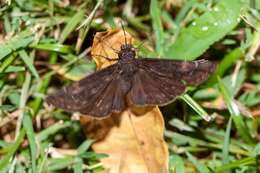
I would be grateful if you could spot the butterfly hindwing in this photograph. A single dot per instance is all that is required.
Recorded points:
(110, 100)
(151, 89)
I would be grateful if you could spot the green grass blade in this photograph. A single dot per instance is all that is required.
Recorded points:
(231, 105)
(86, 25)
(20, 40)
(84, 146)
(60, 48)
(4, 162)
(77, 167)
(196, 107)
(7, 61)
(228, 61)
(59, 164)
(205, 30)
(234, 111)
(225, 150)
(14, 69)
(157, 25)
(201, 168)
(44, 134)
(28, 126)
(176, 164)
(35, 104)
(29, 63)
(236, 164)
(71, 25)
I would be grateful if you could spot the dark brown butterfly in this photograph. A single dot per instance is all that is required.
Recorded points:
(131, 81)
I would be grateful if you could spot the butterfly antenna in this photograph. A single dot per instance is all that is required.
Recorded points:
(124, 32)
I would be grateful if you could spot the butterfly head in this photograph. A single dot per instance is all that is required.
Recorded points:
(127, 51)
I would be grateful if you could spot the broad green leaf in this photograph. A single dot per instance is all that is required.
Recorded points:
(205, 30)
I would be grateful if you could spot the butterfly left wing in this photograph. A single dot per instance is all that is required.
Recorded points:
(111, 100)
(97, 95)
(158, 82)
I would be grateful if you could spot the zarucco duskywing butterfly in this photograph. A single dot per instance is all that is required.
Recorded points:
(131, 81)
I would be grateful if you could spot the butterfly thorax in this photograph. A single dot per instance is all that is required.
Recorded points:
(126, 53)
(127, 61)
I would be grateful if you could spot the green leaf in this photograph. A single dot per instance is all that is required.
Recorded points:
(29, 62)
(4, 162)
(71, 25)
(53, 47)
(7, 62)
(77, 167)
(13, 69)
(28, 126)
(228, 61)
(205, 30)
(44, 134)
(84, 146)
(157, 25)
(196, 107)
(234, 111)
(20, 40)
(58, 164)
(7, 107)
(237, 164)
(176, 164)
(201, 168)
(225, 150)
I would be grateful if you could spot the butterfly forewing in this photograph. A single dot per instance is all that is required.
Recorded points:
(83, 93)
(158, 82)
(192, 72)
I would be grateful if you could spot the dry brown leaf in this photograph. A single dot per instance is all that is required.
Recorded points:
(133, 139)
(173, 3)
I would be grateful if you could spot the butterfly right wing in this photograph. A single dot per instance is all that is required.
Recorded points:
(149, 89)
(159, 82)
(94, 95)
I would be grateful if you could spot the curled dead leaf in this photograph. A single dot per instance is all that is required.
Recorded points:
(132, 139)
